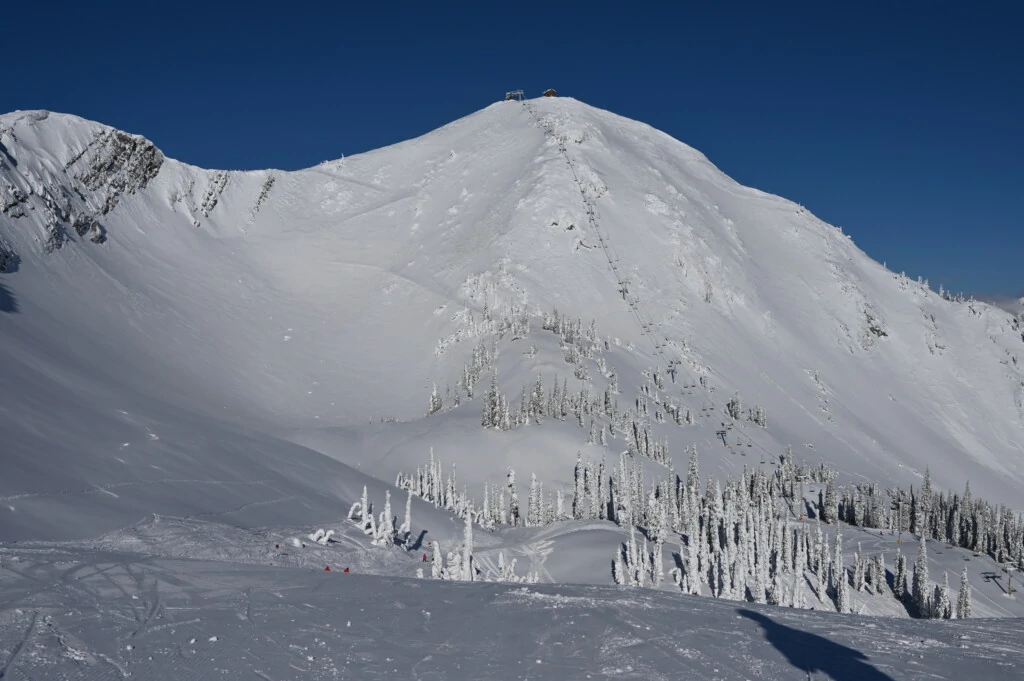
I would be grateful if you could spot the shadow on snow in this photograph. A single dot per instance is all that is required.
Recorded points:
(8, 303)
(812, 653)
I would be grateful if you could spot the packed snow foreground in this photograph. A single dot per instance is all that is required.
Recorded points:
(541, 394)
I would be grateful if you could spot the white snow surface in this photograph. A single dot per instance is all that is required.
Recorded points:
(102, 612)
(245, 351)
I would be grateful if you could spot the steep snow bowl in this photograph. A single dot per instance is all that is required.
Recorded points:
(236, 355)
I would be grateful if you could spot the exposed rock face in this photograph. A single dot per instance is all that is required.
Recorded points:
(12, 200)
(87, 226)
(72, 202)
(116, 163)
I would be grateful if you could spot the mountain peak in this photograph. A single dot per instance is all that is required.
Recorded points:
(314, 301)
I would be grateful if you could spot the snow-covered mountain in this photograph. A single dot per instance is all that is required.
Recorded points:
(206, 317)
(198, 368)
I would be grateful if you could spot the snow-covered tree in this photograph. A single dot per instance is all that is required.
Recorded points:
(734, 407)
(577, 493)
(943, 608)
(385, 530)
(362, 513)
(437, 570)
(536, 406)
(859, 569)
(963, 600)
(830, 508)
(842, 591)
(533, 510)
(924, 506)
(919, 583)
(838, 571)
(468, 570)
(513, 493)
(899, 586)
(657, 569)
(491, 414)
(876, 574)
(405, 530)
(435, 402)
(618, 569)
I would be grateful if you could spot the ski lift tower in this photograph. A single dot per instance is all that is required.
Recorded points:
(514, 96)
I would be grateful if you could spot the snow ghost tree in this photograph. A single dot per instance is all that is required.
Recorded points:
(899, 586)
(435, 402)
(919, 587)
(405, 530)
(963, 600)
(513, 493)
(842, 591)
(437, 570)
(943, 607)
(468, 571)
(361, 512)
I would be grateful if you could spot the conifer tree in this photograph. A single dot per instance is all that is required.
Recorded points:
(534, 501)
(899, 586)
(858, 569)
(943, 607)
(577, 492)
(830, 511)
(491, 417)
(963, 600)
(842, 591)
(435, 402)
(919, 587)
(405, 531)
(468, 571)
(839, 572)
(506, 422)
(437, 563)
(537, 401)
(800, 561)
(618, 573)
(385, 531)
(594, 490)
(658, 569)
(513, 493)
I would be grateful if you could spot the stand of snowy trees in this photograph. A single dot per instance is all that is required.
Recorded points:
(461, 565)
(383, 530)
(960, 520)
(737, 539)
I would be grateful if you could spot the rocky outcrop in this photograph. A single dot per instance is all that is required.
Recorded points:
(12, 201)
(112, 165)
(115, 164)
(87, 226)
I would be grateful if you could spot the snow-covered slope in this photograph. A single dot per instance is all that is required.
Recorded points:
(86, 613)
(165, 329)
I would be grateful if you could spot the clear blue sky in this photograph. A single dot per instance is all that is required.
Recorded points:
(902, 122)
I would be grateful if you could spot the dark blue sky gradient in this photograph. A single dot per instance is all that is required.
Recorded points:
(903, 122)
